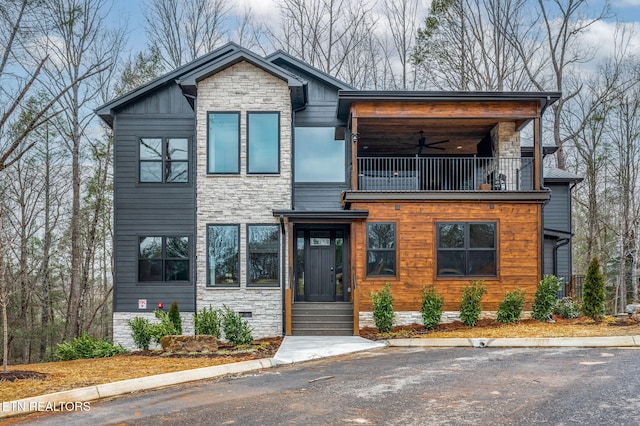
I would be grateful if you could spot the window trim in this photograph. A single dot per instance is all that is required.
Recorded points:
(248, 256)
(209, 284)
(239, 115)
(277, 114)
(164, 258)
(467, 248)
(395, 250)
(163, 161)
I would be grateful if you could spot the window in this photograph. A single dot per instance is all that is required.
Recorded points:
(163, 259)
(262, 246)
(466, 249)
(318, 156)
(223, 263)
(164, 160)
(263, 142)
(223, 142)
(381, 249)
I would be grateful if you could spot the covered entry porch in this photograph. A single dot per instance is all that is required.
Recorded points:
(319, 294)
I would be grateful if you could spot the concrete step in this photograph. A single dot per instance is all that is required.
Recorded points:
(322, 319)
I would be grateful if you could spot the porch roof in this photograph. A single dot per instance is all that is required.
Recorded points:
(322, 215)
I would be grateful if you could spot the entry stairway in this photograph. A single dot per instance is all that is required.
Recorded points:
(322, 319)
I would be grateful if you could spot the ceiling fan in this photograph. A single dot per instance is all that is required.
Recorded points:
(422, 143)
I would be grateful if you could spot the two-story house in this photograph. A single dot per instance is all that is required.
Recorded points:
(266, 185)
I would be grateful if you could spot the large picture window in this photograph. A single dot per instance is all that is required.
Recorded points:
(466, 249)
(163, 259)
(223, 142)
(318, 156)
(223, 262)
(262, 256)
(164, 160)
(381, 249)
(263, 137)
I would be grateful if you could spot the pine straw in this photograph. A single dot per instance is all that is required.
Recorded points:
(67, 375)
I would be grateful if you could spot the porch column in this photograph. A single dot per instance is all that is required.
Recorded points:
(537, 154)
(354, 152)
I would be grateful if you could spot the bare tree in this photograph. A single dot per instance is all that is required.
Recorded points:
(182, 30)
(79, 43)
(401, 17)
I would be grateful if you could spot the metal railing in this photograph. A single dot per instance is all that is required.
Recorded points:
(445, 173)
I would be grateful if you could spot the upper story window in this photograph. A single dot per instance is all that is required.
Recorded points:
(163, 259)
(164, 160)
(223, 142)
(318, 156)
(466, 249)
(263, 142)
(381, 249)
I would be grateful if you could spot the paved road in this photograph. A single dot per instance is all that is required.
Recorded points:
(400, 386)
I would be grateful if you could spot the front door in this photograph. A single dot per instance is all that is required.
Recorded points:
(321, 256)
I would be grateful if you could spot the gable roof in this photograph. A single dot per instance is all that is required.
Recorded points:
(280, 56)
(189, 82)
(553, 174)
(106, 111)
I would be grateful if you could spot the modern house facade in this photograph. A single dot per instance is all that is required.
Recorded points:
(270, 187)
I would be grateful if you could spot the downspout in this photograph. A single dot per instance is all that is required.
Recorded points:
(283, 270)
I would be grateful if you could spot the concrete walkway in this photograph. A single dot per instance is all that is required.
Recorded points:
(294, 349)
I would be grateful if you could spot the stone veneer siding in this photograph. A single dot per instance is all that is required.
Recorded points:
(122, 331)
(242, 199)
(414, 317)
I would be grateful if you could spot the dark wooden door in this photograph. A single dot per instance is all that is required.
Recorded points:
(320, 269)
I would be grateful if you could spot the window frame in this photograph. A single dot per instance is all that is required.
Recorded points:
(163, 160)
(209, 284)
(238, 141)
(277, 114)
(248, 255)
(467, 249)
(164, 259)
(395, 251)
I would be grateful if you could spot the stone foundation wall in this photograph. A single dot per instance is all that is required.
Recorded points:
(122, 331)
(414, 317)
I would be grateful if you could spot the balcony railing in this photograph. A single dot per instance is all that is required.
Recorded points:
(444, 173)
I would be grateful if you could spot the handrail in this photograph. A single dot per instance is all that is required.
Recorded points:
(445, 173)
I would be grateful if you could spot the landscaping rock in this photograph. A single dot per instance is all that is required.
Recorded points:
(632, 309)
(199, 343)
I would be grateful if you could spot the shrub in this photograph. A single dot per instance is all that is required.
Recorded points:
(141, 332)
(164, 328)
(567, 308)
(208, 321)
(174, 316)
(546, 296)
(510, 308)
(431, 307)
(470, 306)
(593, 292)
(236, 329)
(87, 346)
(383, 308)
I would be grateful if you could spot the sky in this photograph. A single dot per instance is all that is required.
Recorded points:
(131, 11)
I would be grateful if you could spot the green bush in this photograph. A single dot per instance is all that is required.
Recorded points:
(236, 329)
(383, 308)
(593, 292)
(174, 316)
(567, 308)
(164, 328)
(431, 310)
(510, 308)
(546, 297)
(208, 321)
(470, 306)
(140, 332)
(87, 346)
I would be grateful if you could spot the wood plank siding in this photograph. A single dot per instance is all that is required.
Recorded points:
(469, 109)
(518, 250)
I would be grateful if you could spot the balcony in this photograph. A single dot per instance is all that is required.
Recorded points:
(429, 174)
